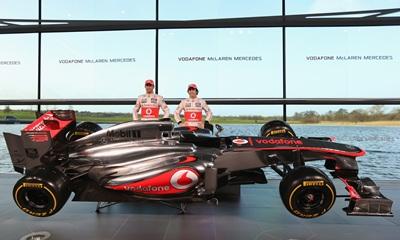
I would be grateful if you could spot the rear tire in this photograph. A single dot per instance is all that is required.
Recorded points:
(277, 128)
(42, 192)
(82, 130)
(307, 192)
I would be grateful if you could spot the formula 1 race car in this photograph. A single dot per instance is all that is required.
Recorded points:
(152, 160)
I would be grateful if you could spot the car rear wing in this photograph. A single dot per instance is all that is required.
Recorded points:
(38, 137)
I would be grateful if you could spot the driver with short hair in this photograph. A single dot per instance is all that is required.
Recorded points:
(193, 108)
(149, 104)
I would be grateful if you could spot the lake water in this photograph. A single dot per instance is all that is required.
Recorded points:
(382, 144)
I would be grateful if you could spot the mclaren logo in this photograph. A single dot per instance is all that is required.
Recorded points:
(123, 134)
(184, 179)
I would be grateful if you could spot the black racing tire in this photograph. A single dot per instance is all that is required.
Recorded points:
(89, 126)
(277, 128)
(83, 129)
(42, 192)
(307, 192)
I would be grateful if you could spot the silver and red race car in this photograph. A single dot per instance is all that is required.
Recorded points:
(152, 160)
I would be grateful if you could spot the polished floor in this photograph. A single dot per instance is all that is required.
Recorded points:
(257, 214)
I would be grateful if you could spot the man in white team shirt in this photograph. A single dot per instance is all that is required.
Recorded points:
(149, 104)
(193, 108)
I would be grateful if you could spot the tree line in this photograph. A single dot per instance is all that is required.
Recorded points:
(373, 113)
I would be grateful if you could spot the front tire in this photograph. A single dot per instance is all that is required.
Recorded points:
(42, 192)
(277, 128)
(307, 192)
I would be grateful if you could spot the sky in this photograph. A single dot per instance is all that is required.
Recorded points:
(233, 62)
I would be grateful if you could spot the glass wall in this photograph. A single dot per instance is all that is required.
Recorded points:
(208, 9)
(334, 62)
(18, 66)
(344, 114)
(19, 9)
(359, 62)
(97, 64)
(328, 6)
(254, 114)
(248, 110)
(372, 128)
(222, 62)
(98, 10)
(18, 58)
(343, 62)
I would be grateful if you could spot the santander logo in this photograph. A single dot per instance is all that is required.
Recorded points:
(184, 179)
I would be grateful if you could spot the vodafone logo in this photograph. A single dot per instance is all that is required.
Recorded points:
(184, 179)
(193, 115)
(240, 141)
(148, 111)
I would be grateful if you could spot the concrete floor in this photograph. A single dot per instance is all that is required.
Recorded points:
(258, 214)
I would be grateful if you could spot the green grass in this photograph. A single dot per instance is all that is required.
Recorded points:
(19, 114)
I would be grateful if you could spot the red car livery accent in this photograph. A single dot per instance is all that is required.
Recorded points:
(188, 159)
(50, 122)
(150, 112)
(38, 137)
(175, 181)
(192, 116)
(353, 193)
(315, 149)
